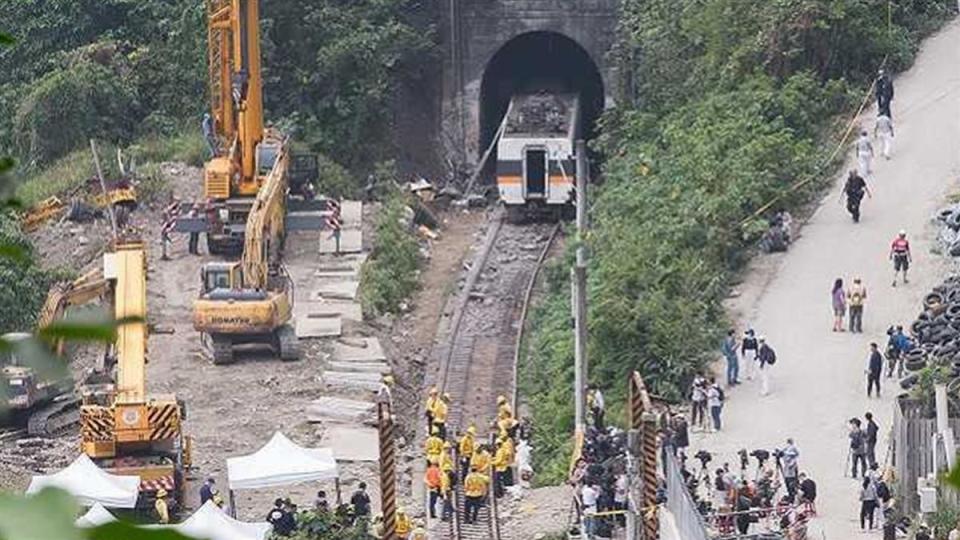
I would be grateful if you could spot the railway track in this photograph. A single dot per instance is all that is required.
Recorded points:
(481, 348)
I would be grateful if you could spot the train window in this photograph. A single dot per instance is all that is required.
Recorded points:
(535, 172)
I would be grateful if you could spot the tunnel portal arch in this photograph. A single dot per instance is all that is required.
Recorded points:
(538, 61)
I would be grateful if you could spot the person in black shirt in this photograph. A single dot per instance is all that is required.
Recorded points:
(361, 501)
(874, 369)
(872, 430)
(854, 190)
(884, 93)
(808, 490)
(206, 490)
(279, 519)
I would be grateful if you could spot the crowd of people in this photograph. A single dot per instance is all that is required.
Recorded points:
(465, 458)
(286, 518)
(599, 475)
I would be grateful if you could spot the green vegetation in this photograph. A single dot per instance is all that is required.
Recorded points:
(736, 101)
(390, 274)
(122, 71)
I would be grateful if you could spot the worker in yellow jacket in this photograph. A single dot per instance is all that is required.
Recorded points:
(446, 491)
(433, 447)
(501, 464)
(402, 523)
(474, 492)
(480, 460)
(419, 533)
(440, 415)
(163, 511)
(511, 451)
(432, 399)
(503, 408)
(465, 448)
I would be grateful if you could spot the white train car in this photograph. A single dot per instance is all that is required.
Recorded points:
(536, 165)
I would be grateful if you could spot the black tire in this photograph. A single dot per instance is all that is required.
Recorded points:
(932, 299)
(915, 365)
(907, 382)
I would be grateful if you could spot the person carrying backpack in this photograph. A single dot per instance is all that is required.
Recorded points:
(858, 447)
(715, 399)
(766, 357)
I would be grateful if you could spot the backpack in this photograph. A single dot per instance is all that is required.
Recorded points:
(773, 356)
(721, 396)
(883, 492)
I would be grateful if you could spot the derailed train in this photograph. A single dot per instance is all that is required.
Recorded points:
(536, 162)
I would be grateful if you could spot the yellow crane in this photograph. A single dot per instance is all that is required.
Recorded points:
(246, 153)
(123, 429)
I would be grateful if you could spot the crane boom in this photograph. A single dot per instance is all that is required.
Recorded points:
(236, 97)
(130, 306)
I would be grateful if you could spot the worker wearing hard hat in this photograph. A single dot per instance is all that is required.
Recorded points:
(440, 415)
(501, 465)
(474, 491)
(433, 478)
(503, 408)
(446, 483)
(433, 447)
(385, 394)
(419, 533)
(402, 524)
(163, 511)
(433, 397)
(481, 459)
(465, 448)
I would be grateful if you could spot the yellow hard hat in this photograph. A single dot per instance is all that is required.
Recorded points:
(446, 445)
(446, 396)
(434, 430)
(161, 493)
(472, 429)
(501, 400)
(388, 379)
(433, 390)
(401, 510)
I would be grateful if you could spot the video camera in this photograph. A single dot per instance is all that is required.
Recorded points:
(704, 457)
(761, 455)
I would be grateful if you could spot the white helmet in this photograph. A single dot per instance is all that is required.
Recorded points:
(902, 233)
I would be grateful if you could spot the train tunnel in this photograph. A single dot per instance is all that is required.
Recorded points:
(532, 62)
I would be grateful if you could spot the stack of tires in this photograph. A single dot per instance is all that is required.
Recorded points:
(949, 219)
(936, 333)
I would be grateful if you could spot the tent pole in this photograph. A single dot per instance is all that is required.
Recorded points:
(339, 498)
(233, 505)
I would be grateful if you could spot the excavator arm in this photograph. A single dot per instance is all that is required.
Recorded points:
(71, 293)
(265, 225)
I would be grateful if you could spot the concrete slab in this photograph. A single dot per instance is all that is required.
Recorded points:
(351, 381)
(309, 326)
(327, 409)
(352, 443)
(351, 214)
(360, 367)
(358, 350)
(346, 262)
(336, 290)
(351, 241)
(351, 311)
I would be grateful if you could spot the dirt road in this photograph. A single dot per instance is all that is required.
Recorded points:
(818, 382)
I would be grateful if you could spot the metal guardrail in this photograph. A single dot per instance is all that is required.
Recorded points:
(689, 521)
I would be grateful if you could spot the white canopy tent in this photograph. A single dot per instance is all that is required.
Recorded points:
(281, 462)
(91, 484)
(209, 522)
(97, 515)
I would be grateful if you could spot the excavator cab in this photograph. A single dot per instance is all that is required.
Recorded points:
(222, 276)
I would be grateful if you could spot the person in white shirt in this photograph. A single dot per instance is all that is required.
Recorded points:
(620, 496)
(955, 533)
(715, 403)
(884, 131)
(864, 154)
(588, 500)
(597, 408)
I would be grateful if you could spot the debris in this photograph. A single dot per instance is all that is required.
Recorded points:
(426, 232)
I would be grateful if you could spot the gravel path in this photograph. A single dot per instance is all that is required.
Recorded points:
(818, 381)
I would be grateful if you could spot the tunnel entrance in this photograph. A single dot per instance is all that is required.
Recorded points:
(533, 62)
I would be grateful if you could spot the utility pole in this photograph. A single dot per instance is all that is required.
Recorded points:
(103, 189)
(580, 290)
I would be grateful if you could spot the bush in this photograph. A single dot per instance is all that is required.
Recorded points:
(390, 275)
(23, 284)
(67, 106)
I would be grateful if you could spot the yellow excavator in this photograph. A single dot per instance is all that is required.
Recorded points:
(123, 429)
(47, 405)
(251, 301)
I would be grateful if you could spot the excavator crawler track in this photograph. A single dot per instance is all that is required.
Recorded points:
(55, 418)
(221, 349)
(288, 344)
